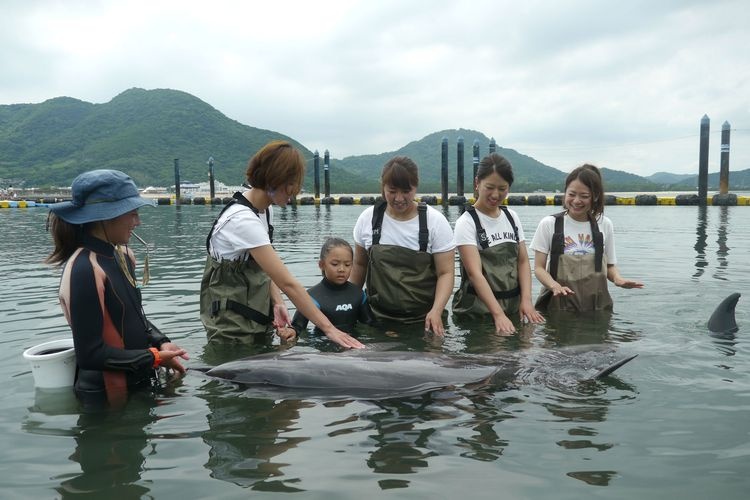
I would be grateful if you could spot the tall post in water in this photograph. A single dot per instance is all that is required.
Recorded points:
(724, 173)
(493, 145)
(211, 186)
(444, 169)
(177, 181)
(316, 173)
(460, 167)
(703, 161)
(475, 159)
(326, 175)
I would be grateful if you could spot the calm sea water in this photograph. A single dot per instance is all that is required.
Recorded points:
(674, 422)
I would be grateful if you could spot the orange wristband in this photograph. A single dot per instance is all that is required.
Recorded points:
(157, 356)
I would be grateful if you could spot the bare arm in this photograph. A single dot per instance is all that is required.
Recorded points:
(545, 278)
(526, 309)
(613, 275)
(269, 261)
(443, 290)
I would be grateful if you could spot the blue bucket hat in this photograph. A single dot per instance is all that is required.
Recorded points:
(99, 195)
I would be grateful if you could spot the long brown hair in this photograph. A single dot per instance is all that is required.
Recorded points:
(66, 237)
(591, 177)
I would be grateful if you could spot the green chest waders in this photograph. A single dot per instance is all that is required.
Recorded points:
(400, 281)
(235, 300)
(586, 275)
(235, 297)
(500, 269)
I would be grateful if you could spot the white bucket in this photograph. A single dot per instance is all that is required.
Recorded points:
(53, 363)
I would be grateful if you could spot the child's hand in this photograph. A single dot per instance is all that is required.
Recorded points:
(286, 333)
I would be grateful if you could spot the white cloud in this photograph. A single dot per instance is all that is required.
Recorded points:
(621, 84)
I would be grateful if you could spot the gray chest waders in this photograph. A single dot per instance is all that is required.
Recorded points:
(235, 296)
(400, 281)
(586, 274)
(500, 269)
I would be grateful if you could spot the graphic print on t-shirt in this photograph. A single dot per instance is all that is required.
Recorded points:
(502, 236)
(583, 246)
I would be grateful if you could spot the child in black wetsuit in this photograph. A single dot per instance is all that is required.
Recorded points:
(343, 302)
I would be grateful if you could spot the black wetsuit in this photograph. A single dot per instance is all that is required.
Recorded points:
(344, 305)
(110, 331)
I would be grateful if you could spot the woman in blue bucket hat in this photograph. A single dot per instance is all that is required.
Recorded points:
(117, 348)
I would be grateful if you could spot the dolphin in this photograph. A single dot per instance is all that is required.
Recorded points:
(367, 374)
(722, 321)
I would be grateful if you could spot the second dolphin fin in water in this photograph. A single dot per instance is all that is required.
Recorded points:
(614, 366)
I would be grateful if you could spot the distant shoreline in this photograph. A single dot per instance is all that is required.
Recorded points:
(515, 199)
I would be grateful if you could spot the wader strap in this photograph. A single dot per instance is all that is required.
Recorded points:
(239, 198)
(512, 222)
(377, 221)
(482, 234)
(377, 224)
(505, 294)
(241, 309)
(598, 244)
(424, 233)
(558, 244)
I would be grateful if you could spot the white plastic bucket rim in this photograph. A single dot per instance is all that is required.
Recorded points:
(55, 369)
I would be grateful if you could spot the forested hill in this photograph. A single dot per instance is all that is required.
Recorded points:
(142, 131)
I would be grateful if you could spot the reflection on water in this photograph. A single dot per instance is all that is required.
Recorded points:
(538, 437)
(722, 251)
(700, 243)
(722, 238)
(247, 436)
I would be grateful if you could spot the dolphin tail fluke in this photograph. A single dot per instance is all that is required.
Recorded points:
(722, 320)
(614, 366)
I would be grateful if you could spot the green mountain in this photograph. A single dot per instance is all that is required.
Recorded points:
(142, 131)
(529, 173)
(738, 181)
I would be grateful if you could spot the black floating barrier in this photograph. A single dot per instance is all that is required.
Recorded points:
(686, 199)
(536, 199)
(645, 199)
(724, 200)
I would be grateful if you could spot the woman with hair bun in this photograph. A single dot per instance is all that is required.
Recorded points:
(240, 298)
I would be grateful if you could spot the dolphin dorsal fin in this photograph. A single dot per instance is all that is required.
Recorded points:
(614, 366)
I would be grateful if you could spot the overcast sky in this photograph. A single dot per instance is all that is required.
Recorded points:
(622, 84)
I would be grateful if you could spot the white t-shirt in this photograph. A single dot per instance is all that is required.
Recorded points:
(498, 229)
(406, 233)
(237, 231)
(578, 240)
